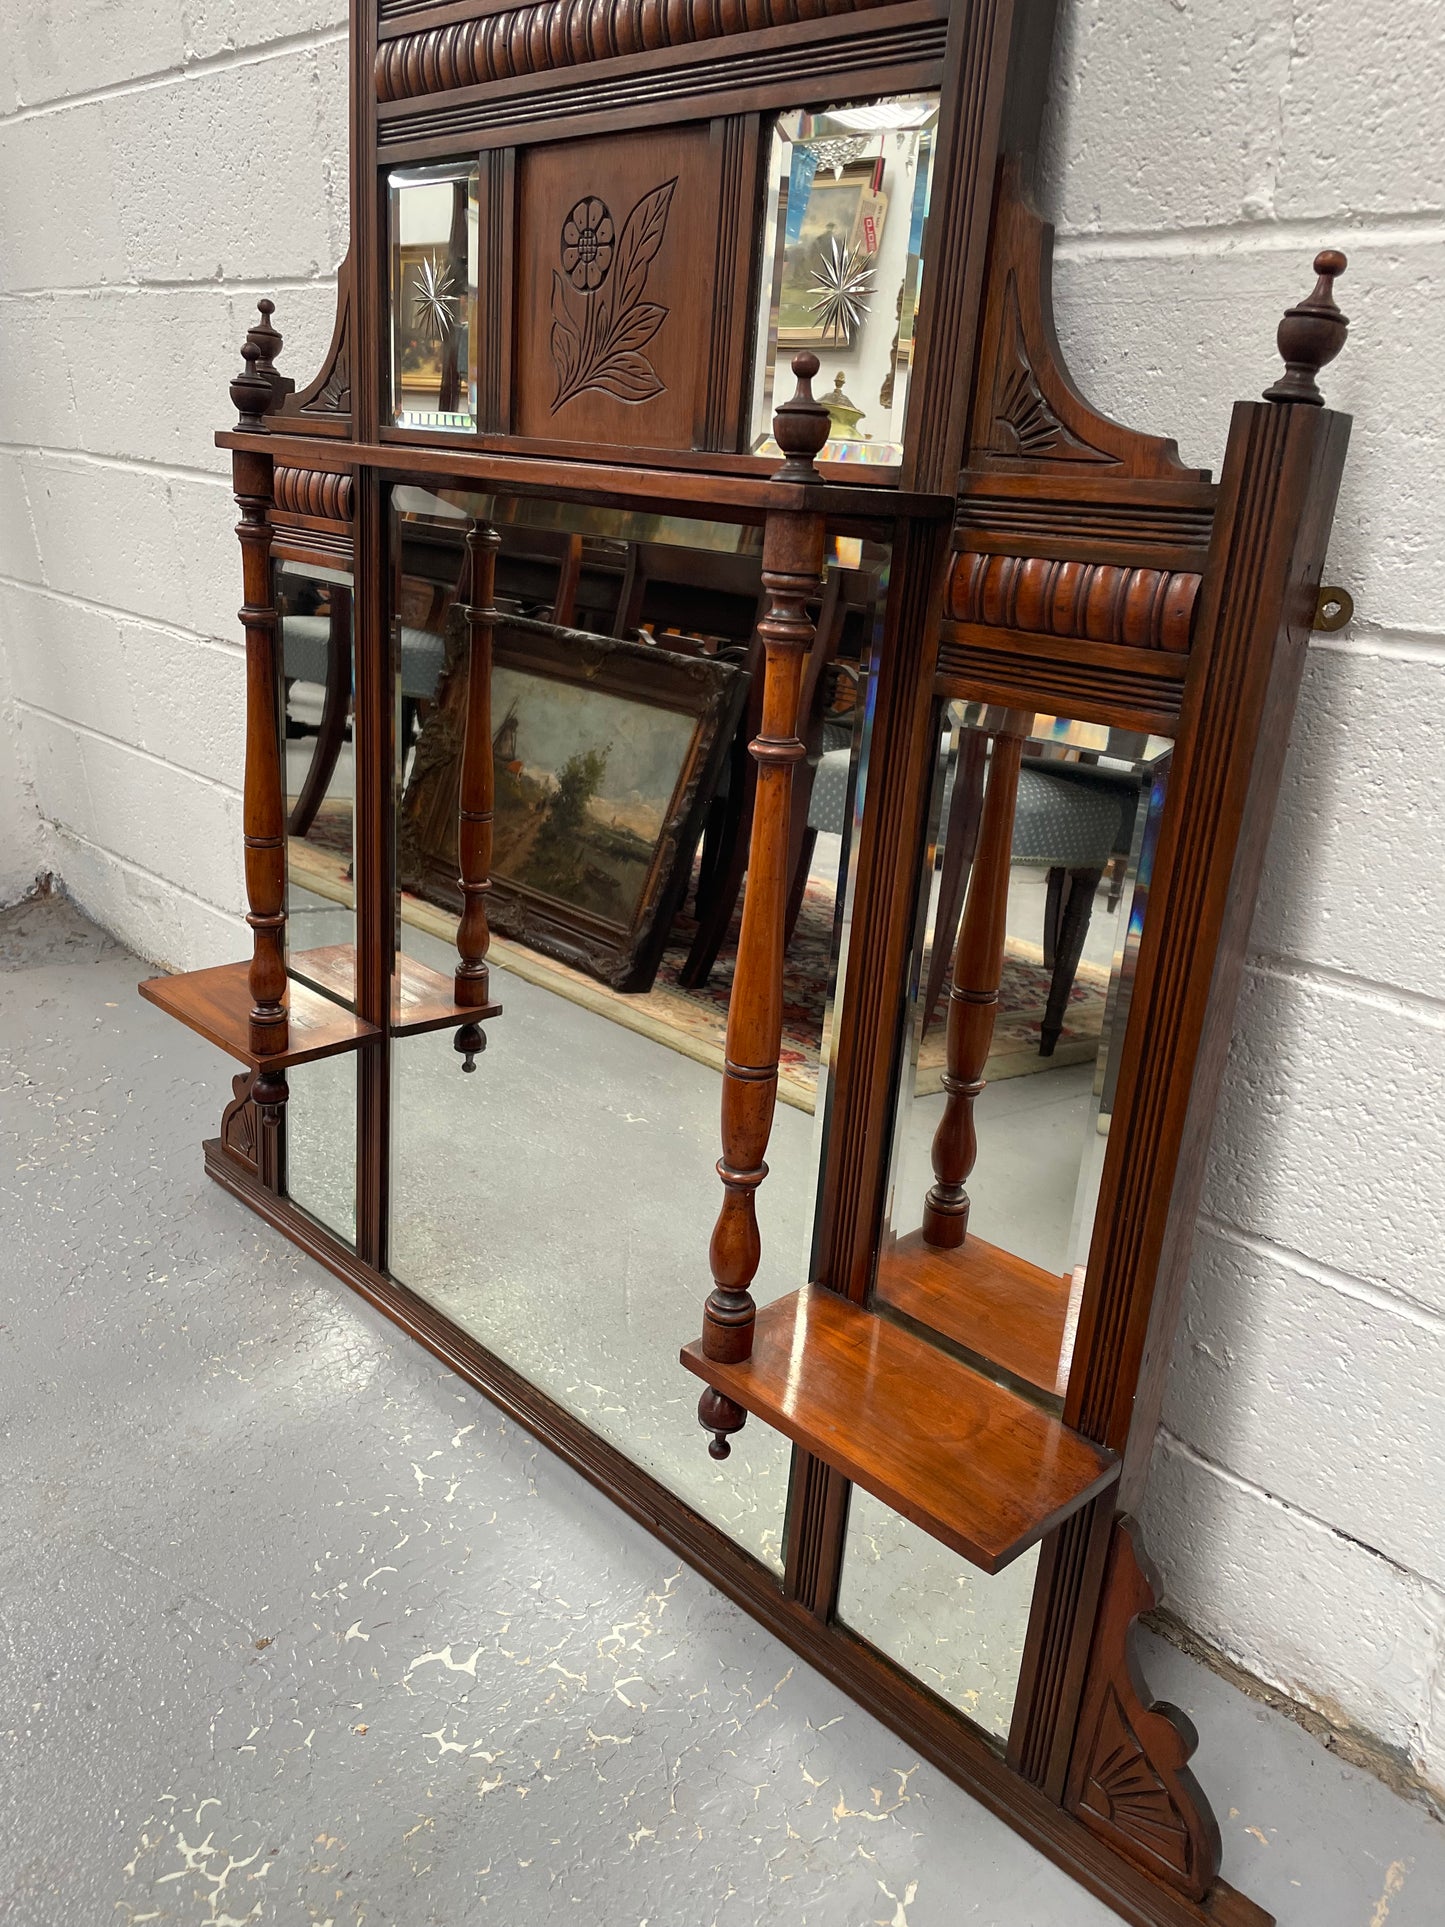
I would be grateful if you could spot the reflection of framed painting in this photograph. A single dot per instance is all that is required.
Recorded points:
(605, 754)
(845, 211)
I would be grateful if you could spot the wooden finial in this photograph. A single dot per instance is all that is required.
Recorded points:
(259, 387)
(801, 425)
(266, 338)
(1311, 335)
(250, 390)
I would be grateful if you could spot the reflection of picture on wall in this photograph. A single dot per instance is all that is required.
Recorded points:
(584, 782)
(845, 211)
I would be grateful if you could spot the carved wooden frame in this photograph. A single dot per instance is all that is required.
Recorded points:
(1042, 558)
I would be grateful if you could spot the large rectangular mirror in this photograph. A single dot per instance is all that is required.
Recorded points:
(558, 1204)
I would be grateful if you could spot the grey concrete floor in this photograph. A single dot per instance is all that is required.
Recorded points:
(295, 1628)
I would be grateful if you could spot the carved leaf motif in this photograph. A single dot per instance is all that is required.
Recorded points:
(602, 349)
(566, 337)
(630, 377)
(642, 234)
(636, 329)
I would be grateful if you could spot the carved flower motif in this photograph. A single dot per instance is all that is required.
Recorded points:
(587, 238)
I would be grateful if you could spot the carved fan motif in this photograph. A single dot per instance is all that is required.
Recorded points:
(238, 1124)
(1130, 1782)
(1124, 1789)
(1024, 423)
(601, 325)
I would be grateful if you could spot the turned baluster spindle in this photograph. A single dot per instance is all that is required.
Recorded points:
(474, 814)
(1311, 335)
(793, 554)
(973, 992)
(255, 391)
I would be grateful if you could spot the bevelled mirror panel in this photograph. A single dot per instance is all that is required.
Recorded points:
(318, 678)
(321, 1141)
(847, 198)
(1033, 892)
(433, 239)
(558, 1203)
(958, 1630)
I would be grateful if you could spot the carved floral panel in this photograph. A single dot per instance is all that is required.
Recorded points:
(618, 241)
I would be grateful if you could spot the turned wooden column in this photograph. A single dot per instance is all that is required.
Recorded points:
(474, 812)
(255, 391)
(973, 993)
(793, 552)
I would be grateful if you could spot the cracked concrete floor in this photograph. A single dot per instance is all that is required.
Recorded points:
(295, 1628)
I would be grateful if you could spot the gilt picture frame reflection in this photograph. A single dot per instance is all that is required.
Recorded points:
(834, 228)
(604, 754)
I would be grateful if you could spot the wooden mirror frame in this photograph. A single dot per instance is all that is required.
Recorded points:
(1044, 558)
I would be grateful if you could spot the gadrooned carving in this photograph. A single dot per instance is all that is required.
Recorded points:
(572, 33)
(312, 491)
(600, 322)
(1090, 601)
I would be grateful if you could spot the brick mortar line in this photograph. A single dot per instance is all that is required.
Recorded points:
(172, 629)
(1172, 1442)
(61, 828)
(1347, 1284)
(230, 790)
(217, 283)
(171, 471)
(1242, 238)
(1381, 642)
(1414, 1006)
(219, 63)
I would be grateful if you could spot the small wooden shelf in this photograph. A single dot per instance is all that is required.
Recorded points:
(987, 1301)
(978, 1467)
(217, 1004)
(421, 998)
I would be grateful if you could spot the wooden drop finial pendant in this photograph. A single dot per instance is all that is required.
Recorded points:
(1311, 335)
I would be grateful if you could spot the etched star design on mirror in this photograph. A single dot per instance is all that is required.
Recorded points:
(433, 308)
(844, 280)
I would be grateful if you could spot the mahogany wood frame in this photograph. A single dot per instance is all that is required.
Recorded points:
(1086, 571)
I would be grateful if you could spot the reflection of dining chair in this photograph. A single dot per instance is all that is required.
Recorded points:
(317, 649)
(1072, 819)
(538, 572)
(705, 595)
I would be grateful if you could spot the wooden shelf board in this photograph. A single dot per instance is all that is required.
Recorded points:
(999, 1307)
(421, 998)
(976, 1466)
(217, 1004)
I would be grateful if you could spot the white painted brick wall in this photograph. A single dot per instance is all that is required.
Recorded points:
(1198, 155)
(162, 164)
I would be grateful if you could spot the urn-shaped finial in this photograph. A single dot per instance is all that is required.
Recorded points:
(250, 390)
(801, 425)
(258, 388)
(1311, 335)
